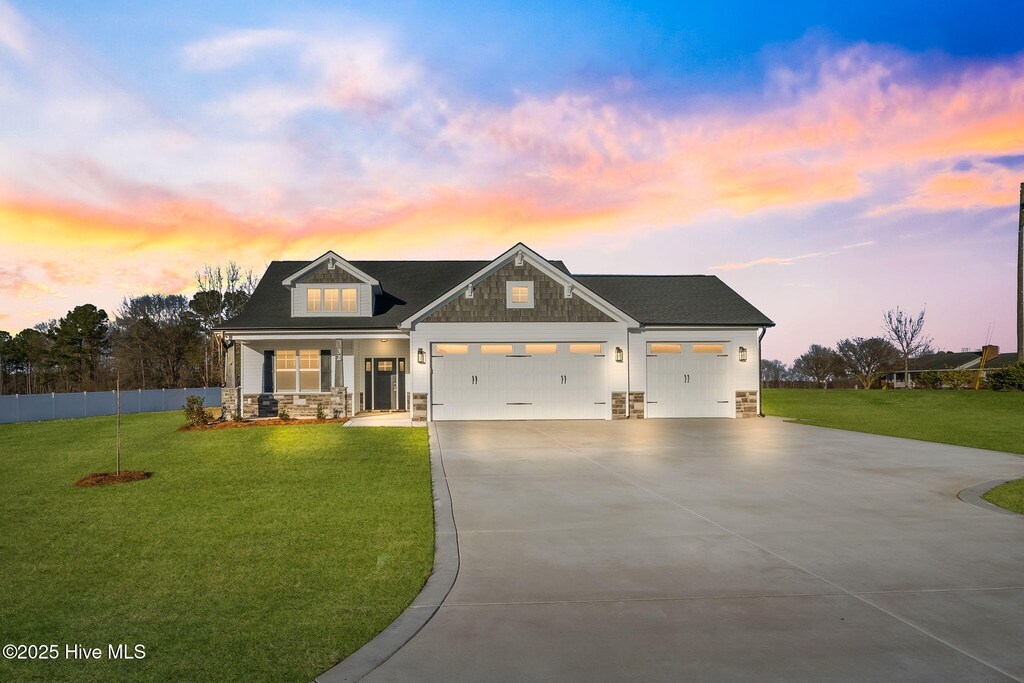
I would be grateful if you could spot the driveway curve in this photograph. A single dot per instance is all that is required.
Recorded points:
(668, 550)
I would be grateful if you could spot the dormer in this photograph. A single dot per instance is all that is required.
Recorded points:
(330, 286)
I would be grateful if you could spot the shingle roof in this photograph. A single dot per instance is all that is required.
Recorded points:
(408, 286)
(676, 299)
(1002, 360)
(944, 360)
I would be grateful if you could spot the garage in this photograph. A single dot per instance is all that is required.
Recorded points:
(688, 379)
(519, 381)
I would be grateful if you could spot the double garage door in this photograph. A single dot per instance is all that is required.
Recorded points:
(519, 381)
(688, 380)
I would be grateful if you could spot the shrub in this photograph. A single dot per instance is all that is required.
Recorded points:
(321, 414)
(958, 379)
(928, 379)
(1010, 378)
(195, 413)
(283, 414)
(237, 416)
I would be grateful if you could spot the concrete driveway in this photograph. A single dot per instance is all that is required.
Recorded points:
(668, 550)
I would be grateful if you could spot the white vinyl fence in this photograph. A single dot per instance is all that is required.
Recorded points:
(34, 407)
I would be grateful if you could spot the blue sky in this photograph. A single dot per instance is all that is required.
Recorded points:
(829, 160)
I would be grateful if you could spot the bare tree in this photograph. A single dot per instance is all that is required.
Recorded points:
(868, 359)
(819, 363)
(221, 295)
(773, 372)
(906, 333)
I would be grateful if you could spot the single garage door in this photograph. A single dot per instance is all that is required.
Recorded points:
(688, 379)
(519, 381)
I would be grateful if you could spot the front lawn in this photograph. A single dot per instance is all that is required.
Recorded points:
(1009, 495)
(981, 419)
(251, 554)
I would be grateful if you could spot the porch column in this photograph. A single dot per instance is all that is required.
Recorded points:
(229, 364)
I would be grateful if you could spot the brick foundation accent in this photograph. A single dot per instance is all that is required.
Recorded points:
(619, 405)
(230, 398)
(297, 405)
(636, 405)
(746, 404)
(419, 407)
(339, 402)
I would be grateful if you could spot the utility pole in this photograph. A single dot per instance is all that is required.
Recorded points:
(1020, 279)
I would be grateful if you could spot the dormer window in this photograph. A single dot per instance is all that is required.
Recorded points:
(349, 300)
(332, 300)
(519, 294)
(314, 302)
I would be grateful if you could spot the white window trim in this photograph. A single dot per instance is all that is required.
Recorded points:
(303, 292)
(298, 370)
(509, 284)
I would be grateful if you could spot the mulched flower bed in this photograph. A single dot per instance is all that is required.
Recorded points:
(107, 478)
(269, 422)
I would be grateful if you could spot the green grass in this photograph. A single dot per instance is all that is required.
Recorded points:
(980, 419)
(1009, 495)
(267, 553)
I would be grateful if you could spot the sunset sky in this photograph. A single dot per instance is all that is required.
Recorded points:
(828, 162)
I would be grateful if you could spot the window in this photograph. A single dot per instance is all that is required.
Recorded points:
(488, 349)
(709, 348)
(331, 301)
(309, 370)
(385, 365)
(349, 301)
(541, 349)
(585, 348)
(519, 294)
(451, 349)
(666, 348)
(313, 301)
(297, 370)
(285, 374)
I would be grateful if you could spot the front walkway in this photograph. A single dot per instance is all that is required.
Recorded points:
(381, 420)
(668, 550)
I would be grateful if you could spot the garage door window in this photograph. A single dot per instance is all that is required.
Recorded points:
(585, 348)
(666, 348)
(488, 349)
(451, 349)
(541, 349)
(709, 348)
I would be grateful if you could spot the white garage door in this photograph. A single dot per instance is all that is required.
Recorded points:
(688, 379)
(519, 381)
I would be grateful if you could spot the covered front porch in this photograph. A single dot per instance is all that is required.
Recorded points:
(309, 376)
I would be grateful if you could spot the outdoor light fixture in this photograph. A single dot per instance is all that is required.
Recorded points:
(420, 357)
(383, 341)
(743, 354)
(618, 354)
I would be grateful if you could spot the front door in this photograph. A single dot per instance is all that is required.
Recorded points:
(384, 375)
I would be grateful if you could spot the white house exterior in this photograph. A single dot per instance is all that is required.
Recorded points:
(519, 337)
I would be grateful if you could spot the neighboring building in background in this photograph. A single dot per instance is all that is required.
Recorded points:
(519, 337)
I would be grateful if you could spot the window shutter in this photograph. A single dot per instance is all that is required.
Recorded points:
(325, 370)
(268, 372)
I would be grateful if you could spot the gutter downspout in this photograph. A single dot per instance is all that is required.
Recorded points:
(764, 330)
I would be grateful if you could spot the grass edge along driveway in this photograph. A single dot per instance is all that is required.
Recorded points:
(977, 419)
(1009, 496)
(252, 554)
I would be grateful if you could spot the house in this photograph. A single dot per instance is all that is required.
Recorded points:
(943, 360)
(519, 337)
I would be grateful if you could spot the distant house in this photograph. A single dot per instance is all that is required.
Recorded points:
(944, 360)
(948, 360)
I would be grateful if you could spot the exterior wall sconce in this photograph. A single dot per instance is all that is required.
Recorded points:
(743, 354)
(420, 357)
(618, 354)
